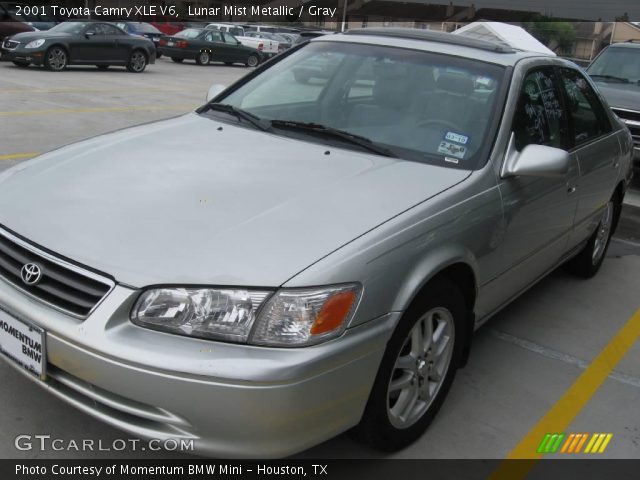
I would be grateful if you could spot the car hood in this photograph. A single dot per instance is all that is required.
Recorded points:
(621, 95)
(30, 36)
(191, 200)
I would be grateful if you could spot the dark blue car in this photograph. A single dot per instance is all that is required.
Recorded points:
(143, 29)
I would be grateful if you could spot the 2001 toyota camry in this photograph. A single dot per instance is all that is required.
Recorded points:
(318, 257)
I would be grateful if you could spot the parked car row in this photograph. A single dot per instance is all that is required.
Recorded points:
(136, 44)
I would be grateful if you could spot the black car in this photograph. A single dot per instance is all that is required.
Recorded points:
(143, 29)
(206, 46)
(80, 43)
(616, 71)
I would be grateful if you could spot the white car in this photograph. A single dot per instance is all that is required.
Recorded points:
(266, 46)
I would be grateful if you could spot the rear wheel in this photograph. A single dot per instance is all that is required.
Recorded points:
(137, 62)
(587, 263)
(417, 369)
(252, 61)
(177, 60)
(20, 64)
(56, 59)
(203, 58)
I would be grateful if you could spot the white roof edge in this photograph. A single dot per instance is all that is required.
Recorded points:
(505, 33)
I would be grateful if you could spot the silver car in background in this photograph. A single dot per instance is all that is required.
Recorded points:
(297, 259)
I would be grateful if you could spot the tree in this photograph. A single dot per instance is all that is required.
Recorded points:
(558, 36)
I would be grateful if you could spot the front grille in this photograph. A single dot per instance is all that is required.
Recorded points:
(10, 45)
(632, 119)
(62, 285)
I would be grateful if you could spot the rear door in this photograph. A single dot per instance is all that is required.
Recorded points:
(596, 147)
(216, 46)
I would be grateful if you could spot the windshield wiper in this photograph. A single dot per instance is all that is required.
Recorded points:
(317, 128)
(611, 77)
(240, 114)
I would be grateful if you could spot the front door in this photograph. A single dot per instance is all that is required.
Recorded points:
(538, 211)
(94, 45)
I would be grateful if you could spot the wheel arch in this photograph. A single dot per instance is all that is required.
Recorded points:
(456, 265)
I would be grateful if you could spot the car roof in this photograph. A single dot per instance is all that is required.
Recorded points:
(627, 44)
(431, 41)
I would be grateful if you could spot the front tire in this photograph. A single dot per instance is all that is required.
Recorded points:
(56, 59)
(587, 263)
(137, 62)
(252, 61)
(417, 369)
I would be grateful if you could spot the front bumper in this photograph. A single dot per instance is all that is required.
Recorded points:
(32, 56)
(233, 400)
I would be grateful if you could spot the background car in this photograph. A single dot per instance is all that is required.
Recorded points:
(10, 24)
(143, 29)
(267, 46)
(283, 42)
(206, 46)
(80, 43)
(616, 71)
(168, 26)
(39, 20)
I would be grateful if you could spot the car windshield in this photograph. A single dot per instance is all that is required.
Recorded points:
(188, 33)
(617, 64)
(69, 27)
(364, 90)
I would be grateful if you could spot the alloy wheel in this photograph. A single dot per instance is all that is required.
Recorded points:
(602, 234)
(57, 59)
(138, 62)
(421, 367)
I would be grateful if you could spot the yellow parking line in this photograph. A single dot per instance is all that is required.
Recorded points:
(570, 404)
(57, 111)
(13, 156)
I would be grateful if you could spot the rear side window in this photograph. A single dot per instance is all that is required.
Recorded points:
(539, 117)
(588, 117)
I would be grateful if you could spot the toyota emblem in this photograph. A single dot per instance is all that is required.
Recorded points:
(31, 273)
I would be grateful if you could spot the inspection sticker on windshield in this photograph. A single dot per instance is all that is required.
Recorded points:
(452, 149)
(456, 137)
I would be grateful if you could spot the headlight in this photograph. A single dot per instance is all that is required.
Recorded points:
(293, 318)
(35, 44)
(225, 314)
(290, 318)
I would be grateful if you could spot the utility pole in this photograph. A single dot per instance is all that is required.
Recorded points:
(344, 15)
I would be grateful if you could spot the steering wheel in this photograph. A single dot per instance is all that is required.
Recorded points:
(438, 122)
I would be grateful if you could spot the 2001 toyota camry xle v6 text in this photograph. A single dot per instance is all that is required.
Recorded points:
(318, 257)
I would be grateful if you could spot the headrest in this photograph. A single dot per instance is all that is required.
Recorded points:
(455, 83)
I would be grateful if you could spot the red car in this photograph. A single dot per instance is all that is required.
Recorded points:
(10, 25)
(168, 27)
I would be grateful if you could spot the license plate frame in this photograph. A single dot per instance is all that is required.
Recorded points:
(24, 344)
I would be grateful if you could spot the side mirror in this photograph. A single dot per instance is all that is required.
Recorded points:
(535, 161)
(215, 90)
(238, 42)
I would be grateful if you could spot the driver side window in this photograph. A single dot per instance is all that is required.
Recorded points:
(539, 118)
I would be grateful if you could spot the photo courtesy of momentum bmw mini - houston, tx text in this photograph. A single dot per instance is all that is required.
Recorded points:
(301, 230)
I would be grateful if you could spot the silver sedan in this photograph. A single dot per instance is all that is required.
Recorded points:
(310, 251)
